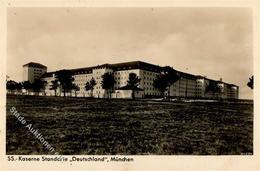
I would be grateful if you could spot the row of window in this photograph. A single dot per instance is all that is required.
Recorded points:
(37, 70)
(150, 73)
(149, 78)
(121, 83)
(82, 76)
(148, 83)
(119, 78)
(152, 94)
(99, 72)
(39, 74)
(122, 72)
(150, 88)
(183, 86)
(81, 81)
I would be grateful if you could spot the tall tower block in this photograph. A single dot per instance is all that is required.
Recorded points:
(32, 71)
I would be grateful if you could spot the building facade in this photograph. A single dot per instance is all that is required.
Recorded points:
(188, 85)
(33, 71)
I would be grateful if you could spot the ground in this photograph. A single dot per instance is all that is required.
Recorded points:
(103, 127)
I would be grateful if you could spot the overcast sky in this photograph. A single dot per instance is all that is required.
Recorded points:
(214, 42)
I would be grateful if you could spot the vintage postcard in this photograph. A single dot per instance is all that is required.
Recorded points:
(129, 86)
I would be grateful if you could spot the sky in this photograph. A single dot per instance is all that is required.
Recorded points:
(212, 42)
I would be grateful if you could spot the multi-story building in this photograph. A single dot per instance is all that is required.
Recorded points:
(188, 85)
(33, 71)
(225, 91)
(185, 86)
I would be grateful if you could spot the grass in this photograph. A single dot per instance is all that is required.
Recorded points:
(103, 127)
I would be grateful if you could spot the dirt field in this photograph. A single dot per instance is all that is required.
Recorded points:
(96, 126)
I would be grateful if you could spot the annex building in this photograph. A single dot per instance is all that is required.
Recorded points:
(188, 86)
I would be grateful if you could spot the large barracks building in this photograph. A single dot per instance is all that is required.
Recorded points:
(188, 85)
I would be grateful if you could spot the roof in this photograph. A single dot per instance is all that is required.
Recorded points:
(218, 81)
(48, 74)
(187, 75)
(127, 87)
(136, 65)
(132, 65)
(34, 64)
(121, 66)
(85, 70)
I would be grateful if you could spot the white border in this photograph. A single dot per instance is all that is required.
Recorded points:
(213, 163)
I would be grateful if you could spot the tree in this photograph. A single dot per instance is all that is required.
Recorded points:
(87, 86)
(75, 88)
(213, 87)
(66, 80)
(38, 85)
(133, 82)
(11, 85)
(27, 85)
(54, 86)
(44, 86)
(251, 82)
(108, 82)
(19, 86)
(171, 77)
(161, 84)
(90, 85)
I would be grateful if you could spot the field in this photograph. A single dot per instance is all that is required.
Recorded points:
(103, 127)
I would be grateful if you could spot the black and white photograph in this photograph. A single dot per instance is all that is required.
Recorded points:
(121, 81)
